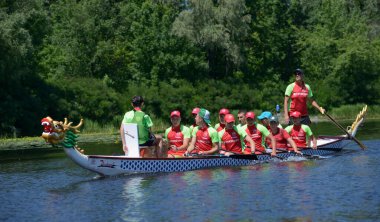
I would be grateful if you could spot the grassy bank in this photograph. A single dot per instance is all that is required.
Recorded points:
(350, 111)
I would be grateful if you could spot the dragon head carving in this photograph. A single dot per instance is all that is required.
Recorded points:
(54, 131)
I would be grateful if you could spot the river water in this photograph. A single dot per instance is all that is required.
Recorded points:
(344, 187)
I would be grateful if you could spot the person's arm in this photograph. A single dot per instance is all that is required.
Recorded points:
(191, 146)
(186, 138)
(185, 144)
(214, 149)
(251, 143)
(293, 145)
(315, 104)
(273, 142)
(125, 148)
(288, 93)
(312, 137)
(286, 114)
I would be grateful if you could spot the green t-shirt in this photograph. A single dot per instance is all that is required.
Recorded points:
(305, 128)
(240, 126)
(143, 122)
(191, 129)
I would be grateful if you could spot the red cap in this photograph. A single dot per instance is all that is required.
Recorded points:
(195, 110)
(295, 114)
(175, 113)
(250, 115)
(224, 111)
(229, 118)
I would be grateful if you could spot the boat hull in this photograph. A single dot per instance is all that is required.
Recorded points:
(116, 165)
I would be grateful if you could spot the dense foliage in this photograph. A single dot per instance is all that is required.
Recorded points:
(87, 58)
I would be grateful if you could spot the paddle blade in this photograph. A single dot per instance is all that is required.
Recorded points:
(244, 156)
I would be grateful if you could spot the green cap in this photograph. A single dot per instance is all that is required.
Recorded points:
(205, 115)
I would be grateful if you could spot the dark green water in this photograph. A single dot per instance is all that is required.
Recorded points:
(344, 187)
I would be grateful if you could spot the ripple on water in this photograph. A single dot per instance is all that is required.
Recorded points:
(340, 188)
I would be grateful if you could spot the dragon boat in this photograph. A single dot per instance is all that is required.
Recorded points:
(116, 165)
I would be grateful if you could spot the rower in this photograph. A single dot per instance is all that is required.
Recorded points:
(219, 126)
(296, 97)
(204, 138)
(300, 133)
(264, 119)
(258, 133)
(194, 114)
(241, 118)
(281, 136)
(232, 137)
(177, 136)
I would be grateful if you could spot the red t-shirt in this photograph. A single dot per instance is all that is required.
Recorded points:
(298, 135)
(298, 93)
(220, 127)
(231, 141)
(281, 139)
(256, 136)
(175, 137)
(204, 142)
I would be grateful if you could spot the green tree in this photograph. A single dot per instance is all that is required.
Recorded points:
(340, 52)
(219, 28)
(22, 27)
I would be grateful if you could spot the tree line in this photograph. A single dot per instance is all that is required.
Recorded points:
(87, 58)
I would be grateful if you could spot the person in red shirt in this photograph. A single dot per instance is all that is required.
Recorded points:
(232, 137)
(194, 114)
(281, 136)
(264, 118)
(300, 133)
(219, 126)
(299, 93)
(177, 136)
(204, 138)
(258, 133)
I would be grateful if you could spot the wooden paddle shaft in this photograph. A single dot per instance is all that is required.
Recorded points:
(342, 128)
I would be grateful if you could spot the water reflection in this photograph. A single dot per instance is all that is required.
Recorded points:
(134, 199)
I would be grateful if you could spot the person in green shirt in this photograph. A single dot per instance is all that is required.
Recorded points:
(144, 124)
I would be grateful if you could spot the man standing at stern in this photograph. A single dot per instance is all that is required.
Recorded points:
(299, 93)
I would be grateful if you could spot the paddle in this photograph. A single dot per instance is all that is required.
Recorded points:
(349, 135)
(278, 157)
(241, 156)
(244, 156)
(233, 156)
(203, 155)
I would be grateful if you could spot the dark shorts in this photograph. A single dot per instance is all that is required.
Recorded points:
(304, 120)
(150, 142)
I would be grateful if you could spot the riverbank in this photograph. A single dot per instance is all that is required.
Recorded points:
(35, 147)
